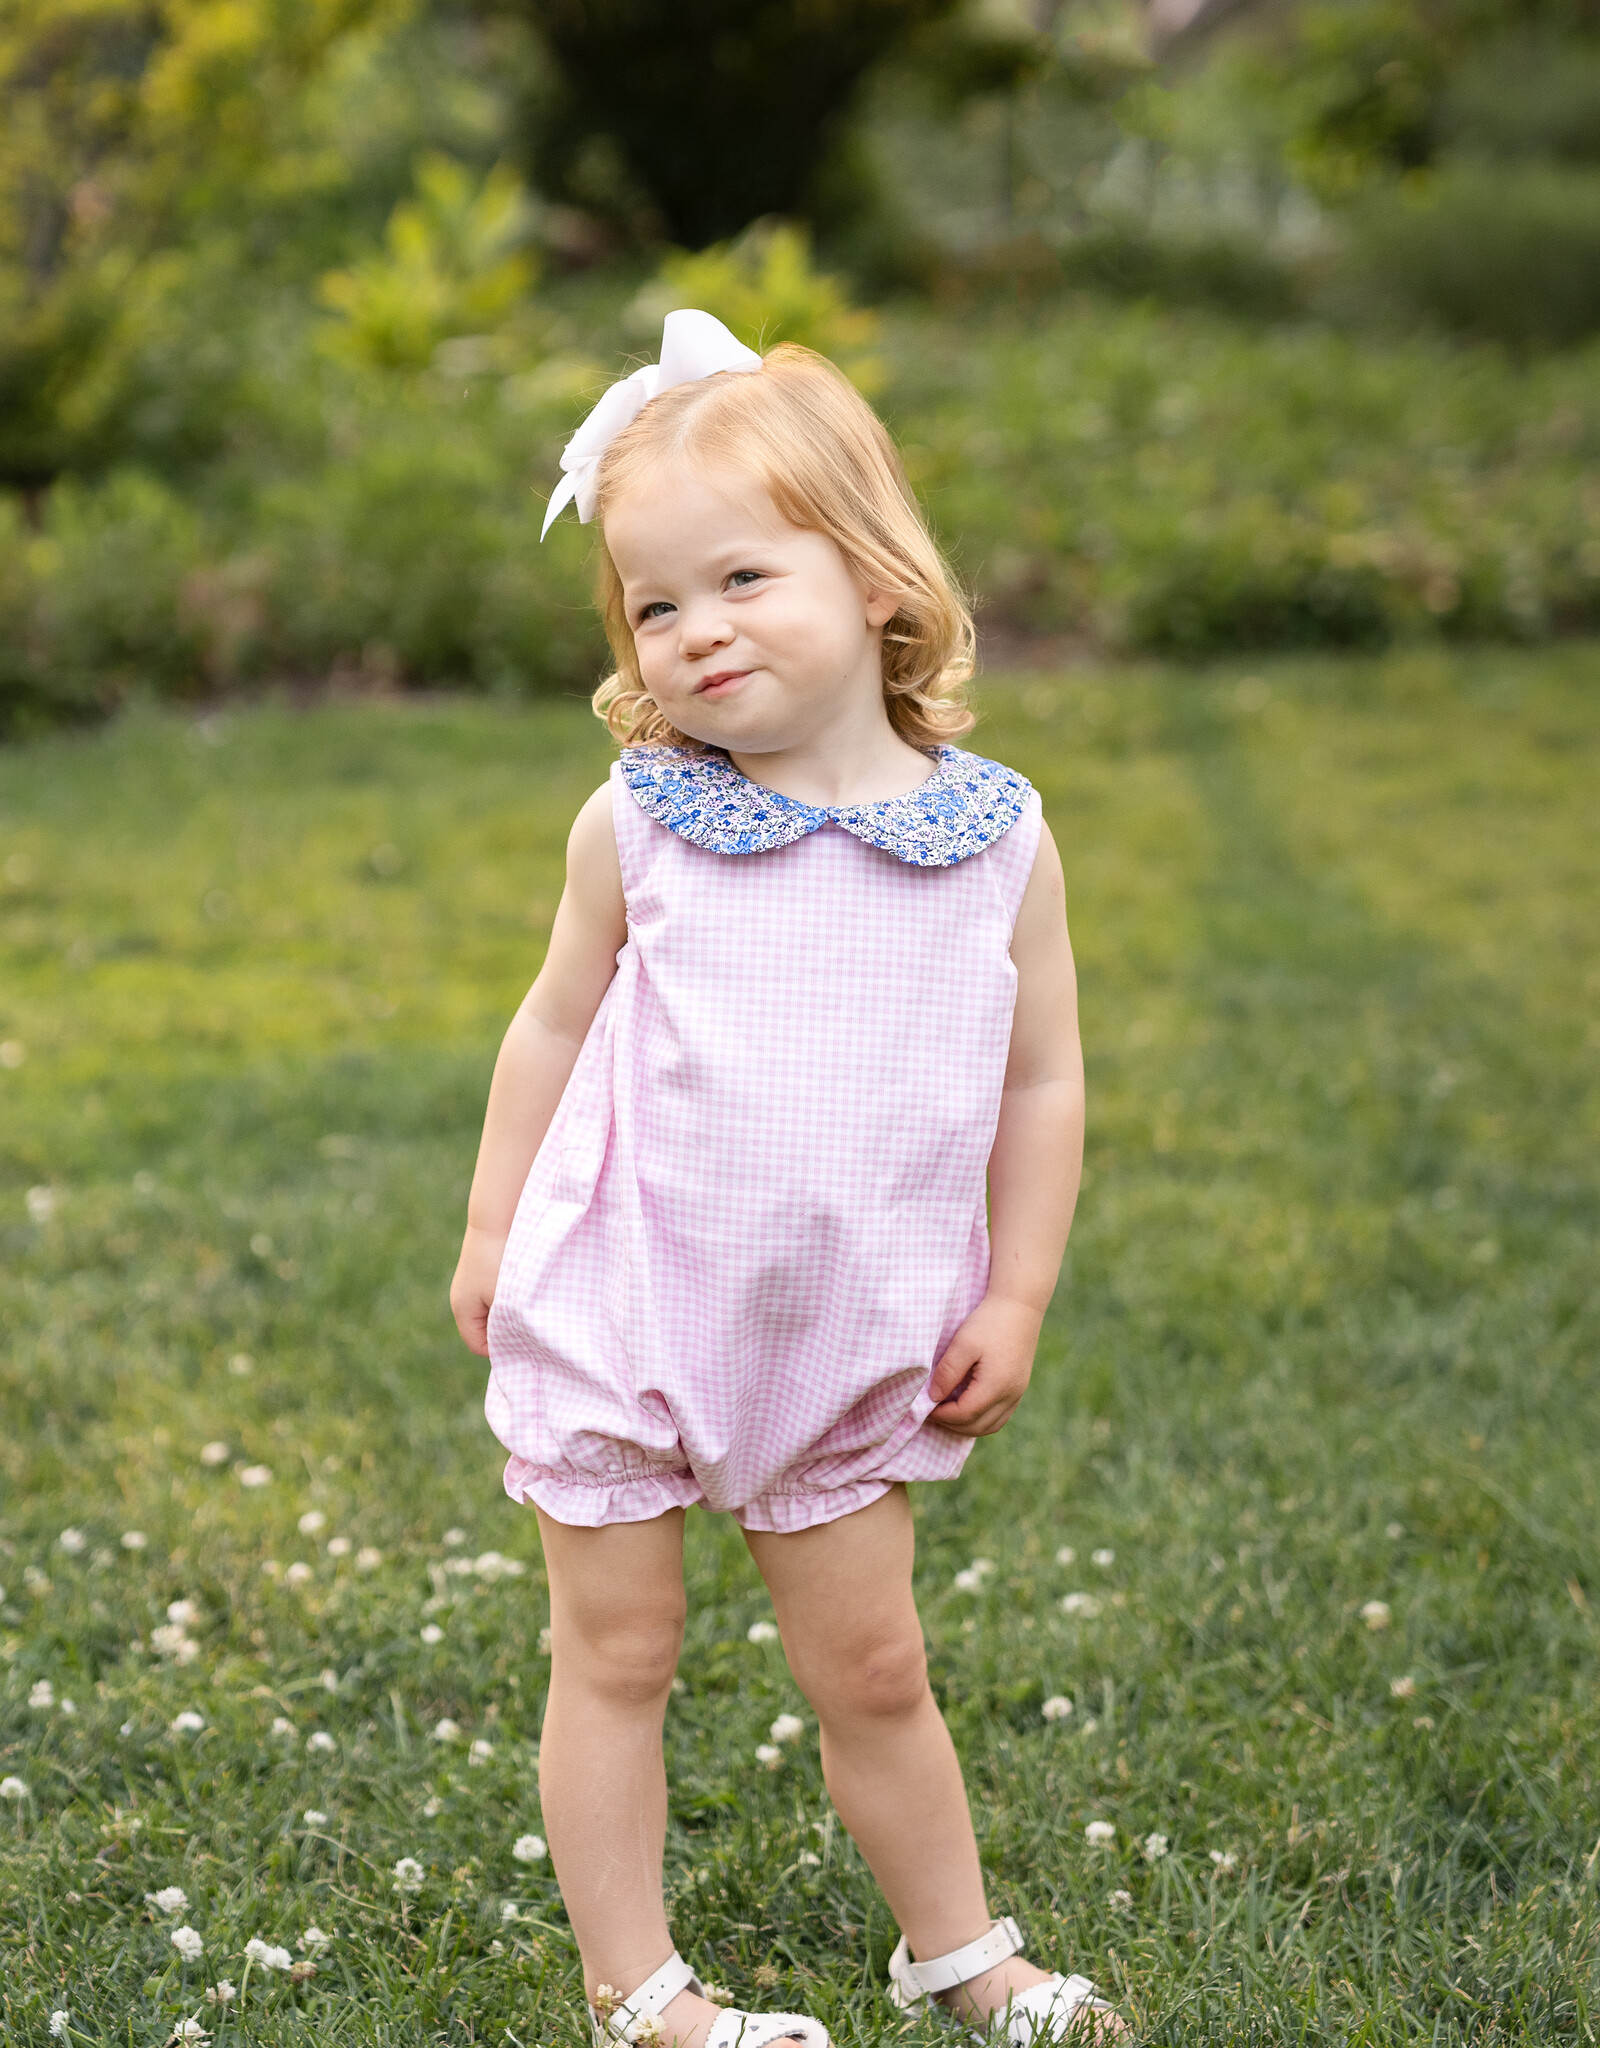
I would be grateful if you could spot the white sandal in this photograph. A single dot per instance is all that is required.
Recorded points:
(1049, 2012)
(636, 2018)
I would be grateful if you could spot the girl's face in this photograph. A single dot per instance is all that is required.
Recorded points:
(752, 634)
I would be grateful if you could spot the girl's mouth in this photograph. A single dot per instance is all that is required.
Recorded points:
(719, 683)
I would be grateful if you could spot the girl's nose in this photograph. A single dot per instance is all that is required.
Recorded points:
(701, 628)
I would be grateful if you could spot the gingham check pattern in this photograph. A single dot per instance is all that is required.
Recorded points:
(758, 1216)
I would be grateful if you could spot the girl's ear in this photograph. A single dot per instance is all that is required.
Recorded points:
(881, 606)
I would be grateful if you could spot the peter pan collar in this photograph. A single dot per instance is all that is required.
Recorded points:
(965, 805)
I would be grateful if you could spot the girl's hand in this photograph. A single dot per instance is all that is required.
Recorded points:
(985, 1371)
(472, 1289)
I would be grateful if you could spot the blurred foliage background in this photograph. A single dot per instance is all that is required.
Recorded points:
(1271, 322)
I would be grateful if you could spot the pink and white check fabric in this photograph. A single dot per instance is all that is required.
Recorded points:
(758, 1216)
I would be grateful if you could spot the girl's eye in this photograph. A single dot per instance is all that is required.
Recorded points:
(658, 610)
(741, 579)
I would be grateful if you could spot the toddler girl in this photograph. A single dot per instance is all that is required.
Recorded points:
(808, 999)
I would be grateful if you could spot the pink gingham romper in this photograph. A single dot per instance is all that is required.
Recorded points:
(759, 1215)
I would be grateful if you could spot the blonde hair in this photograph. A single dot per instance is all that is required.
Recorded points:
(797, 427)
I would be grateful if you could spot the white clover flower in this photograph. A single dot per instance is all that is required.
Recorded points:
(171, 1898)
(241, 1365)
(1066, 1554)
(787, 1728)
(446, 1730)
(768, 1753)
(68, 1706)
(1057, 1707)
(1121, 1900)
(311, 1521)
(255, 1475)
(529, 1849)
(13, 1788)
(59, 2021)
(320, 1740)
(298, 1573)
(491, 1565)
(544, 1641)
(188, 1722)
(134, 1539)
(368, 1559)
(171, 1639)
(328, 1680)
(480, 1751)
(433, 1808)
(508, 1912)
(270, 1568)
(1394, 1531)
(338, 1546)
(646, 2031)
(1080, 1603)
(1155, 1847)
(183, 1612)
(42, 1202)
(41, 1694)
(188, 1943)
(459, 1567)
(409, 1875)
(1403, 1688)
(313, 1940)
(761, 1632)
(497, 1948)
(716, 1994)
(214, 1454)
(188, 2030)
(810, 1859)
(1376, 1614)
(72, 1541)
(314, 1817)
(1224, 1859)
(280, 1726)
(265, 1956)
(454, 1537)
(1103, 1558)
(968, 1581)
(432, 1634)
(222, 1993)
(1099, 1834)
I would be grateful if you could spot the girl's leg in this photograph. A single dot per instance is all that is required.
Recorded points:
(842, 1593)
(616, 1625)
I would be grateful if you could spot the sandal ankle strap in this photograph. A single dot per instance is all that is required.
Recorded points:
(654, 1995)
(910, 1983)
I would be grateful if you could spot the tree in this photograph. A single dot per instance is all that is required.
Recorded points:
(721, 110)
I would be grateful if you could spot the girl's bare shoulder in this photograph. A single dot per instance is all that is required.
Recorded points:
(594, 873)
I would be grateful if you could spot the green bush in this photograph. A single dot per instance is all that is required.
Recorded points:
(1508, 251)
(1232, 272)
(1139, 478)
(1179, 482)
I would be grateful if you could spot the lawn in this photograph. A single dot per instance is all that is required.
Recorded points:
(1300, 1515)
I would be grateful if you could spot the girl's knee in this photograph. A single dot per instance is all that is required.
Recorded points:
(629, 1659)
(877, 1678)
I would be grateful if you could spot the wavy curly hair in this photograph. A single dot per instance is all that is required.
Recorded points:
(799, 428)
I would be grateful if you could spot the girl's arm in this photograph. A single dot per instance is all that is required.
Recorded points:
(1033, 1169)
(538, 1056)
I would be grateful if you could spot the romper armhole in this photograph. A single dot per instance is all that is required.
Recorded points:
(638, 837)
(1012, 855)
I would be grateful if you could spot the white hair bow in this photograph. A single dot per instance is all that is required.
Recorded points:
(693, 345)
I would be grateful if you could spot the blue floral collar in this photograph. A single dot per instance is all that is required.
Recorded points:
(966, 804)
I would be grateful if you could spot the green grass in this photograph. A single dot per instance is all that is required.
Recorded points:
(1325, 1339)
